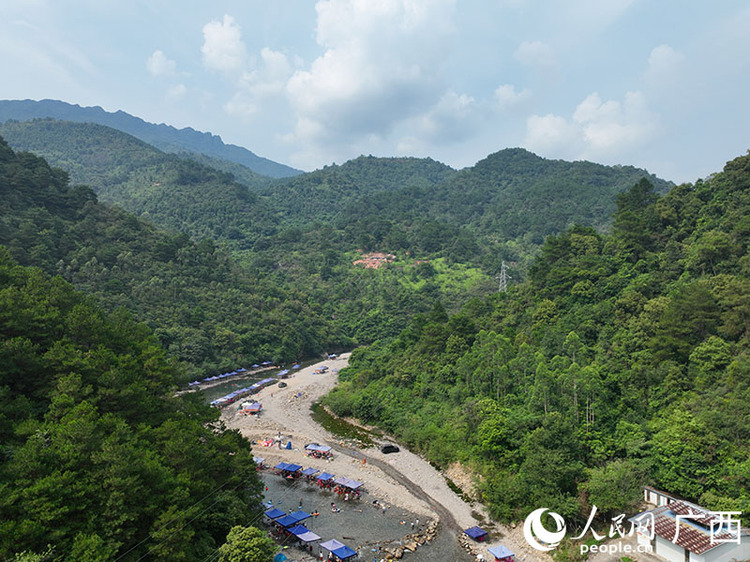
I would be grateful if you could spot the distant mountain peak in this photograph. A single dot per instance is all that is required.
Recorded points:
(162, 136)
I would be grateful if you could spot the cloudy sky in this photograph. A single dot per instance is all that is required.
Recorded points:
(660, 84)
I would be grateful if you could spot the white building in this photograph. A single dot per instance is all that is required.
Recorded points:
(679, 531)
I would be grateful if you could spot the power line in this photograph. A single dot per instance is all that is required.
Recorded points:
(503, 278)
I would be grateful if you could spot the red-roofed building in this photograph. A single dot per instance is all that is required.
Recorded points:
(685, 532)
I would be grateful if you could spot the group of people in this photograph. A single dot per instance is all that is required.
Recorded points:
(320, 454)
(347, 493)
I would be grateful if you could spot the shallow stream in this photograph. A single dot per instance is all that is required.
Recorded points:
(360, 525)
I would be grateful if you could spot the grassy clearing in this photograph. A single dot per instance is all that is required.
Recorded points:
(339, 427)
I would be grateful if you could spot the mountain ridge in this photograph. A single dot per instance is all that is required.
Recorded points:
(162, 136)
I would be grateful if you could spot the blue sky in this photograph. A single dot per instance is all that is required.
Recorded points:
(659, 84)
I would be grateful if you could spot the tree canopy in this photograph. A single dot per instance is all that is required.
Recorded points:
(623, 360)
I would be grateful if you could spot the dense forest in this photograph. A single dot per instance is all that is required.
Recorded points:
(298, 299)
(623, 360)
(618, 356)
(296, 239)
(477, 216)
(207, 312)
(97, 461)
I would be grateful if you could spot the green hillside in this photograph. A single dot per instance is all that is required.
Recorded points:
(299, 297)
(618, 357)
(163, 137)
(298, 237)
(516, 194)
(97, 460)
(175, 193)
(501, 208)
(623, 360)
(206, 310)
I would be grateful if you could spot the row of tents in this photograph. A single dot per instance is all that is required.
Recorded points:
(241, 371)
(291, 523)
(290, 470)
(242, 392)
(222, 376)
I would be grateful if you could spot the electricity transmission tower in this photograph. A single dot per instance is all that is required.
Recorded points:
(503, 278)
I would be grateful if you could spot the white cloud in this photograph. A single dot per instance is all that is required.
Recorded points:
(159, 65)
(611, 126)
(551, 135)
(270, 77)
(176, 93)
(241, 105)
(598, 130)
(507, 97)
(536, 54)
(223, 48)
(664, 65)
(263, 86)
(452, 119)
(382, 63)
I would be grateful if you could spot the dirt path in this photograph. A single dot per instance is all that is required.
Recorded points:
(402, 479)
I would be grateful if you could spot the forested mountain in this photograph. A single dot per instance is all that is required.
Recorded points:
(205, 309)
(175, 193)
(623, 360)
(296, 239)
(300, 297)
(501, 208)
(97, 460)
(515, 194)
(164, 137)
(622, 357)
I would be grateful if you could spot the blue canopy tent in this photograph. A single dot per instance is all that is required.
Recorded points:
(303, 533)
(318, 451)
(476, 533)
(502, 553)
(344, 553)
(326, 476)
(310, 471)
(274, 513)
(281, 466)
(290, 470)
(300, 515)
(286, 521)
(298, 529)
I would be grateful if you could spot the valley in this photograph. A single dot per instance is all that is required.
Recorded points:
(616, 357)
